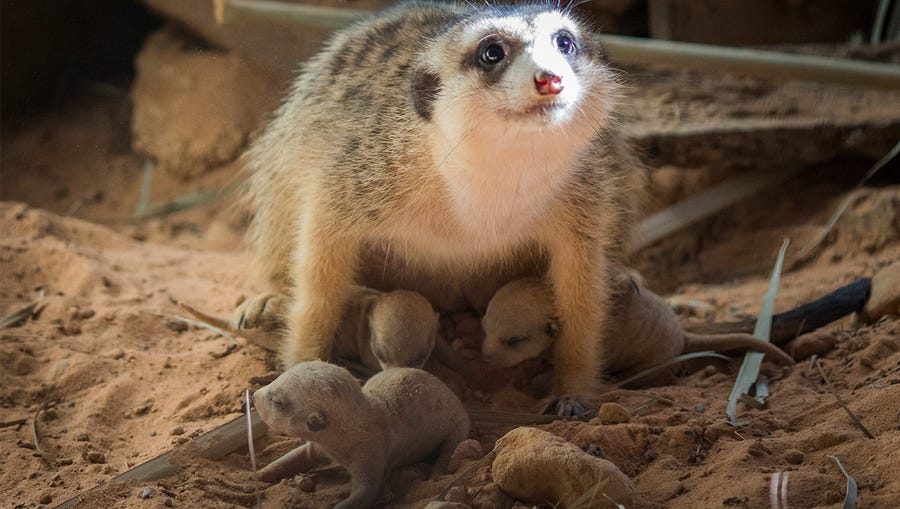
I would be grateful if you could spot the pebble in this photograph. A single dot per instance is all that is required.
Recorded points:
(492, 496)
(885, 296)
(96, 457)
(46, 498)
(794, 456)
(447, 505)
(82, 437)
(177, 325)
(147, 492)
(613, 413)
(535, 466)
(306, 483)
(467, 450)
(177, 430)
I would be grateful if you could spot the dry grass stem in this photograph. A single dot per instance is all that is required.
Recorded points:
(841, 402)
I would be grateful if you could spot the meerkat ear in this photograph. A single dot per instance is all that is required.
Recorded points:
(552, 327)
(425, 87)
(315, 421)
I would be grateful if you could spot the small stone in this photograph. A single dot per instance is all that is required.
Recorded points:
(46, 498)
(96, 457)
(177, 430)
(491, 496)
(86, 314)
(467, 450)
(168, 503)
(182, 440)
(459, 495)
(446, 505)
(177, 326)
(709, 370)
(306, 483)
(613, 413)
(82, 437)
(147, 492)
(813, 343)
(533, 465)
(885, 296)
(794, 457)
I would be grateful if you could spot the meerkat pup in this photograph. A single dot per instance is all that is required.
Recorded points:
(642, 331)
(399, 417)
(381, 330)
(459, 143)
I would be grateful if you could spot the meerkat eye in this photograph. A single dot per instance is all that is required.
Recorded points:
(515, 341)
(492, 54)
(564, 43)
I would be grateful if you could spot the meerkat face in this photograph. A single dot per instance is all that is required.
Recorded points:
(304, 400)
(529, 68)
(519, 323)
(508, 344)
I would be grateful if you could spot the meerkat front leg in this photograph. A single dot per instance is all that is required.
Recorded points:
(324, 266)
(366, 479)
(577, 275)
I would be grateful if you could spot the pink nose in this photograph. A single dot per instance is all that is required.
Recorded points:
(547, 83)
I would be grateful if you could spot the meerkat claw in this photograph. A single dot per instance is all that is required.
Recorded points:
(566, 406)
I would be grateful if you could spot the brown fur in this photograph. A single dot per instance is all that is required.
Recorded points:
(381, 330)
(399, 417)
(520, 323)
(351, 183)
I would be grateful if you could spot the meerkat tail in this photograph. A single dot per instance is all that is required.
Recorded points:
(258, 338)
(725, 342)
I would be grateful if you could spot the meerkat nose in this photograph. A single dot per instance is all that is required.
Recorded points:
(547, 83)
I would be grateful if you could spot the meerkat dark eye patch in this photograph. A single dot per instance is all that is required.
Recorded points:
(515, 341)
(316, 421)
(426, 86)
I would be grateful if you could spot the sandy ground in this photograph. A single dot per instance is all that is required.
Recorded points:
(114, 381)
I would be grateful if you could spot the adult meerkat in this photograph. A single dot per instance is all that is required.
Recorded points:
(464, 144)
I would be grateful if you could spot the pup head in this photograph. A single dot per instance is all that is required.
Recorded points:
(403, 329)
(309, 399)
(520, 323)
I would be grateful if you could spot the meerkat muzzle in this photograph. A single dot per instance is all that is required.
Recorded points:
(548, 83)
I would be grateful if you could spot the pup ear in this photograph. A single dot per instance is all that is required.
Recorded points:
(425, 86)
(552, 327)
(315, 421)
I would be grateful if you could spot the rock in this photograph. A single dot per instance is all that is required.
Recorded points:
(536, 466)
(613, 413)
(467, 450)
(794, 457)
(459, 495)
(491, 496)
(147, 492)
(96, 457)
(194, 110)
(82, 437)
(177, 430)
(814, 343)
(306, 483)
(46, 498)
(176, 325)
(446, 505)
(885, 297)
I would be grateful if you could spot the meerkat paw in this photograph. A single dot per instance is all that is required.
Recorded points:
(566, 406)
(264, 312)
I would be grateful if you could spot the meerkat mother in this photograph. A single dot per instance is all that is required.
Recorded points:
(452, 143)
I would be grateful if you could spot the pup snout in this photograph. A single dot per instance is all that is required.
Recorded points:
(548, 83)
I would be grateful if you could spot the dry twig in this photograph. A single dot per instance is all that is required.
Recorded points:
(841, 402)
